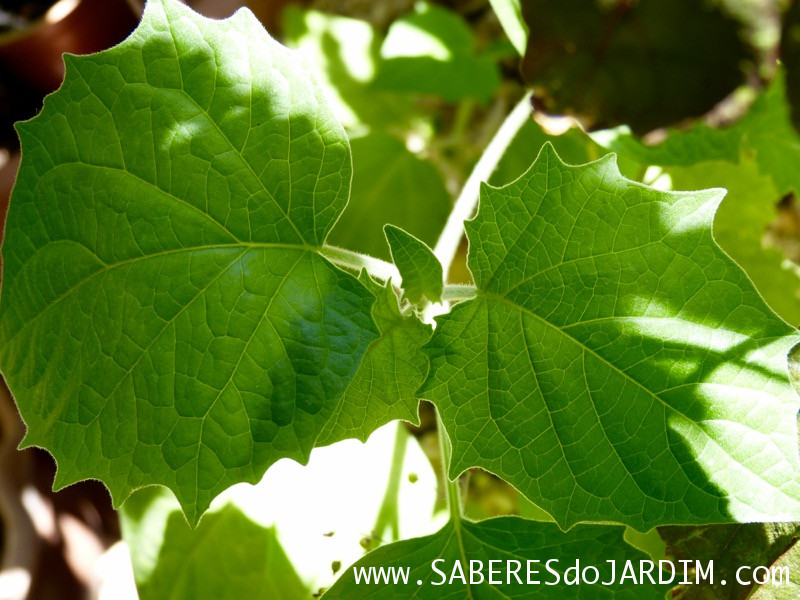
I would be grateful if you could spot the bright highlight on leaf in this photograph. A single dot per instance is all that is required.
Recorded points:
(166, 316)
(616, 364)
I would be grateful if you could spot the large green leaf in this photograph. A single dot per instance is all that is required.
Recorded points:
(166, 317)
(616, 365)
(227, 556)
(510, 542)
(644, 64)
(384, 387)
(730, 547)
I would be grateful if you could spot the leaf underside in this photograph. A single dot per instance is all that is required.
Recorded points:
(385, 385)
(616, 364)
(166, 317)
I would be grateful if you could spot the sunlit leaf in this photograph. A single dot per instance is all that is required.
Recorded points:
(166, 317)
(616, 365)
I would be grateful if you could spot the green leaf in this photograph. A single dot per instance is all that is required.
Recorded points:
(509, 13)
(771, 139)
(739, 225)
(616, 365)
(644, 64)
(390, 185)
(226, 556)
(384, 387)
(574, 146)
(420, 269)
(739, 158)
(503, 539)
(729, 547)
(786, 574)
(765, 134)
(166, 317)
(687, 147)
(432, 51)
(346, 54)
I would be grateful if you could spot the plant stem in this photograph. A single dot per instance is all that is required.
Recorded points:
(454, 292)
(387, 515)
(451, 488)
(356, 261)
(447, 245)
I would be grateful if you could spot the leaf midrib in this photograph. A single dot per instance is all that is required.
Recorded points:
(110, 267)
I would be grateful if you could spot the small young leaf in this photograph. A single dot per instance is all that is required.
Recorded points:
(420, 269)
(166, 317)
(616, 365)
(503, 540)
(385, 385)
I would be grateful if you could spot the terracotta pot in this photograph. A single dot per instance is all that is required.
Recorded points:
(75, 26)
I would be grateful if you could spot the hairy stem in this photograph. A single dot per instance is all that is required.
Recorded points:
(447, 245)
(455, 293)
(356, 261)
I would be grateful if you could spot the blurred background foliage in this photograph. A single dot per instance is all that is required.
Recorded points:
(690, 94)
